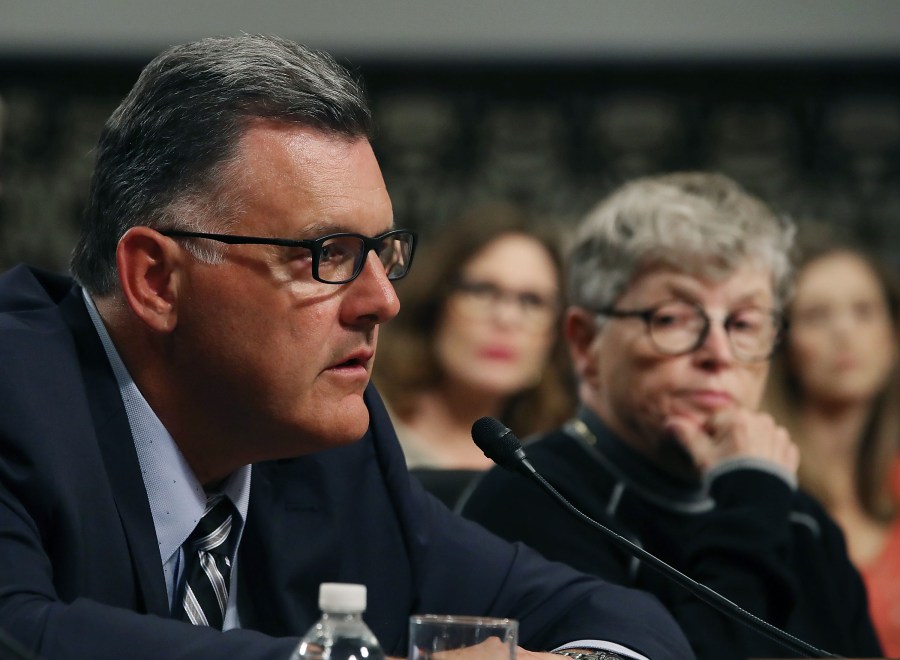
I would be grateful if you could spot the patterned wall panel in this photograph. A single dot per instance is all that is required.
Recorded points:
(817, 140)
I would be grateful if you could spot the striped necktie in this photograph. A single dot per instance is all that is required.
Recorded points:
(207, 554)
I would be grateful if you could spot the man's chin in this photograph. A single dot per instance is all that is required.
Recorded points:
(353, 420)
(337, 425)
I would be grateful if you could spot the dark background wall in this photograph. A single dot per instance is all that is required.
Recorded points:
(549, 104)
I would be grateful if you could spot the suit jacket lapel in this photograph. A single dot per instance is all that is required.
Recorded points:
(117, 447)
(287, 547)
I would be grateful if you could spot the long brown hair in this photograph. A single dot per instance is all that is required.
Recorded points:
(407, 363)
(878, 448)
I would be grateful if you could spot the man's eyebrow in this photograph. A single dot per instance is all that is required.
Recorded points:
(318, 229)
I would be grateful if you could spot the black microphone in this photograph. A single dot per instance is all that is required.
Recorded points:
(503, 447)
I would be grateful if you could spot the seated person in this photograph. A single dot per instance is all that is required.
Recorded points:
(477, 335)
(677, 283)
(835, 384)
(210, 372)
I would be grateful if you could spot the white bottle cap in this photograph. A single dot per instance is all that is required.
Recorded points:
(341, 597)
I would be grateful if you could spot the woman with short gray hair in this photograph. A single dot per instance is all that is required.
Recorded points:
(692, 221)
(677, 286)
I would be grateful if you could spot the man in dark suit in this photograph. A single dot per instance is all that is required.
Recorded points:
(210, 370)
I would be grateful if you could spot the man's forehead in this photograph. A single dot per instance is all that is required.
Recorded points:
(264, 140)
(304, 183)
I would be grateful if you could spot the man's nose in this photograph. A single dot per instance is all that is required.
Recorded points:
(372, 294)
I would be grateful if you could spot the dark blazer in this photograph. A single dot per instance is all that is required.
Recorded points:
(80, 574)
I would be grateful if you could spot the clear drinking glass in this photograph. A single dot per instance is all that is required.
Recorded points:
(432, 636)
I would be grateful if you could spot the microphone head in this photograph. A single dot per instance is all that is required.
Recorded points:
(497, 442)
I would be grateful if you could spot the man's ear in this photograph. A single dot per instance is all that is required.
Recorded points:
(150, 271)
(580, 328)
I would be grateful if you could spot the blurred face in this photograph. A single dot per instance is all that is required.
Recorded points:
(271, 355)
(635, 388)
(498, 327)
(842, 342)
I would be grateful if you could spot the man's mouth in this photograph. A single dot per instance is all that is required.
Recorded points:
(357, 359)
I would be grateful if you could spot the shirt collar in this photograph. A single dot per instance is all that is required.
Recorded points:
(177, 499)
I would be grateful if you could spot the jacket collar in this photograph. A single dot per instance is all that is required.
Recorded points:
(117, 448)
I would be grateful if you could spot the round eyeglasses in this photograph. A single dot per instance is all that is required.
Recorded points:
(336, 258)
(677, 327)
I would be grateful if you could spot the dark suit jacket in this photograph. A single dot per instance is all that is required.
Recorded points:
(80, 573)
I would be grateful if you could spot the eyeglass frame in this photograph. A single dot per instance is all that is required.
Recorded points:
(467, 288)
(779, 322)
(313, 245)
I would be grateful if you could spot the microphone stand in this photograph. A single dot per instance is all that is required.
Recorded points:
(704, 593)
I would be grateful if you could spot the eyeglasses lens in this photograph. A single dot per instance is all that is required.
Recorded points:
(678, 327)
(484, 299)
(395, 254)
(339, 258)
(342, 258)
(753, 333)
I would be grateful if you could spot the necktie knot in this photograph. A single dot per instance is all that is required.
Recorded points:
(213, 531)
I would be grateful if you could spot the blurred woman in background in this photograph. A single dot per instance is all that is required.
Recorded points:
(836, 388)
(476, 335)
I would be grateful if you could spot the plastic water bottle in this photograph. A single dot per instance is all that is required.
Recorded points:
(341, 633)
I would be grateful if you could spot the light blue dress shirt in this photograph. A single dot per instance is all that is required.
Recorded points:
(177, 499)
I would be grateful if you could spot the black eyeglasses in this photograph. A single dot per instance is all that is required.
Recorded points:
(483, 299)
(677, 327)
(336, 258)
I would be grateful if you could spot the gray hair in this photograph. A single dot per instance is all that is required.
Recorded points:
(699, 223)
(164, 152)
